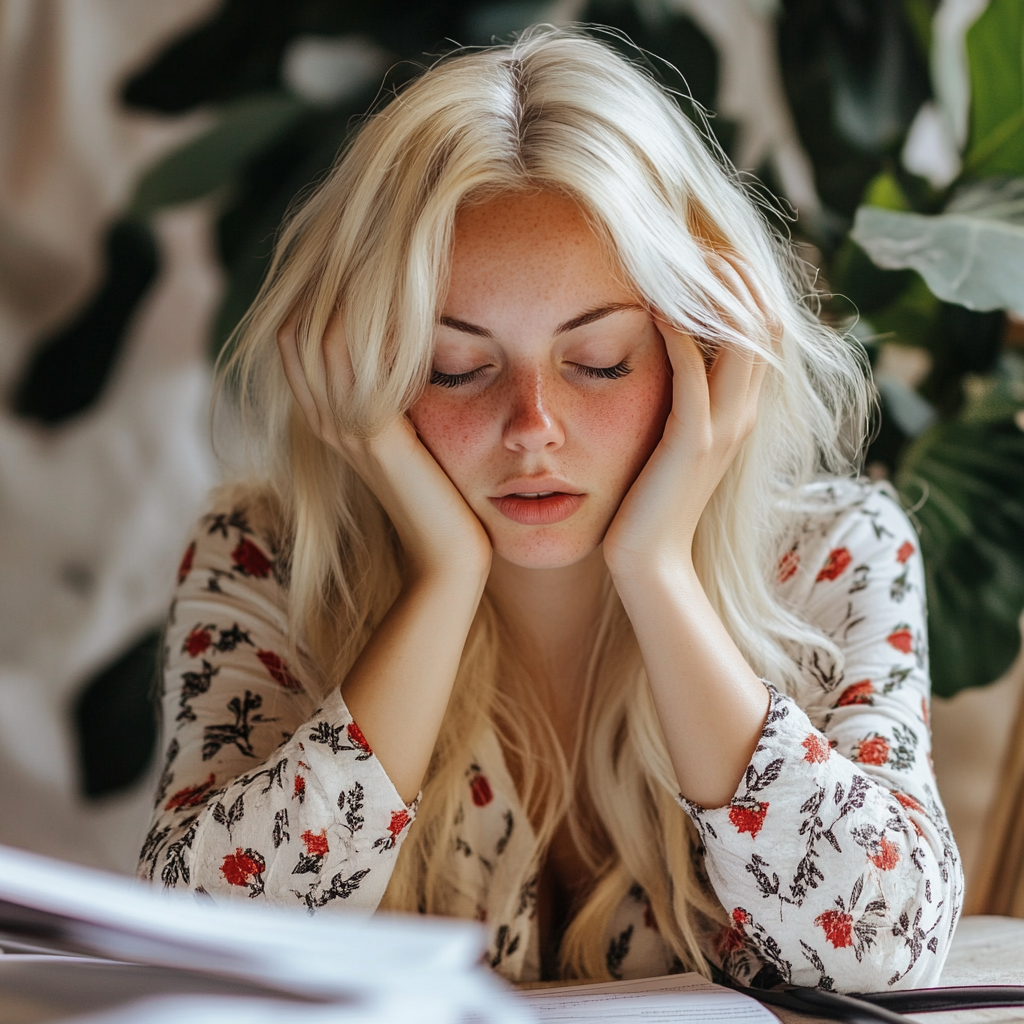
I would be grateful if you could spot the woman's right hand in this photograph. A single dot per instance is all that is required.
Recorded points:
(440, 534)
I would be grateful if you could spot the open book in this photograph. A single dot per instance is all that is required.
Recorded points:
(121, 941)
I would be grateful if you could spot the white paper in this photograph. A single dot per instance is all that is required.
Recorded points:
(373, 964)
(678, 997)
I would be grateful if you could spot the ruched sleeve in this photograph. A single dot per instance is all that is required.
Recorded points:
(834, 858)
(267, 791)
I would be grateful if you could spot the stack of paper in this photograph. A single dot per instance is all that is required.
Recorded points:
(339, 968)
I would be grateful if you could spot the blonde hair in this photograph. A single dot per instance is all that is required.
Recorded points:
(554, 110)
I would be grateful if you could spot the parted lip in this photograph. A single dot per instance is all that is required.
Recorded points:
(534, 485)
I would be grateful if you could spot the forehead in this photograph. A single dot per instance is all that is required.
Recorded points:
(539, 245)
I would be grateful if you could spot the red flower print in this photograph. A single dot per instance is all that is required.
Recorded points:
(788, 565)
(357, 739)
(859, 693)
(649, 919)
(185, 567)
(316, 842)
(835, 565)
(299, 789)
(838, 928)
(748, 819)
(905, 551)
(250, 561)
(740, 916)
(818, 750)
(241, 868)
(730, 940)
(197, 642)
(278, 670)
(908, 802)
(902, 639)
(480, 789)
(399, 819)
(888, 855)
(873, 750)
(191, 796)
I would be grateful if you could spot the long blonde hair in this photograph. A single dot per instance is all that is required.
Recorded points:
(555, 110)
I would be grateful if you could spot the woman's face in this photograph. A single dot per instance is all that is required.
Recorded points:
(550, 384)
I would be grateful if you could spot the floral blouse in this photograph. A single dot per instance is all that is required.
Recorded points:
(833, 861)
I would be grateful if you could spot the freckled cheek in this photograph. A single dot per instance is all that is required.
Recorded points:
(457, 433)
(627, 427)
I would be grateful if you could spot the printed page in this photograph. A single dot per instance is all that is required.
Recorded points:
(678, 997)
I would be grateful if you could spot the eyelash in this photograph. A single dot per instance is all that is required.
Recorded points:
(455, 380)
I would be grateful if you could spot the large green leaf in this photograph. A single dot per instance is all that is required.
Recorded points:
(217, 157)
(968, 481)
(972, 254)
(995, 52)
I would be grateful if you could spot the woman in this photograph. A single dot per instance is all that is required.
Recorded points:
(554, 602)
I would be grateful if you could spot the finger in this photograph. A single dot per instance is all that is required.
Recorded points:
(689, 369)
(731, 378)
(743, 283)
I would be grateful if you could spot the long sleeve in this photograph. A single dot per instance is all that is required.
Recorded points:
(258, 797)
(834, 857)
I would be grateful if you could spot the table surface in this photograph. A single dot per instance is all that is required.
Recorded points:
(985, 951)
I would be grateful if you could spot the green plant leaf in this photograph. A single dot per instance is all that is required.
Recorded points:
(968, 481)
(995, 52)
(972, 254)
(215, 159)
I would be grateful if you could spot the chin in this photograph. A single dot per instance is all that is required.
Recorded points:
(544, 552)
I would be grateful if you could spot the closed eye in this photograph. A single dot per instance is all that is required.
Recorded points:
(606, 372)
(455, 380)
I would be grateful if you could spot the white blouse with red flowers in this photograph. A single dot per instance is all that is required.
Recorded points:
(833, 861)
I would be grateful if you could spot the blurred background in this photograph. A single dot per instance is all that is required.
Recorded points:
(147, 154)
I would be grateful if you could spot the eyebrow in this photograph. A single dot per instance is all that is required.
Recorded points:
(589, 317)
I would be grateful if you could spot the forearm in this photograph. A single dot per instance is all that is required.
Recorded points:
(710, 704)
(398, 689)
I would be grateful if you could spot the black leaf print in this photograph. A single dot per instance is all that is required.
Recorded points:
(309, 863)
(824, 981)
(528, 897)
(167, 776)
(280, 834)
(618, 950)
(219, 522)
(175, 867)
(858, 888)
(229, 639)
(340, 889)
(352, 803)
(823, 674)
(860, 579)
(274, 776)
(757, 782)
(500, 938)
(237, 733)
(830, 837)
(151, 846)
(324, 732)
(232, 816)
(768, 886)
(903, 751)
(194, 684)
(507, 835)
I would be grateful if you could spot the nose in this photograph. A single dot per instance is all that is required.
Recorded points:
(533, 423)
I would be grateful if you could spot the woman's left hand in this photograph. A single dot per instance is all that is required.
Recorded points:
(713, 412)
